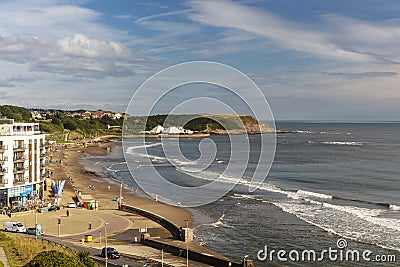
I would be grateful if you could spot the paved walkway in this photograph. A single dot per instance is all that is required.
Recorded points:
(122, 227)
(3, 257)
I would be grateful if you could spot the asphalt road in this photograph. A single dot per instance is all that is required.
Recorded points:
(93, 252)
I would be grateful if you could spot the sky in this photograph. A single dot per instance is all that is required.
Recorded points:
(312, 59)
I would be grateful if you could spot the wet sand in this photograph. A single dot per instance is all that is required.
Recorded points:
(105, 192)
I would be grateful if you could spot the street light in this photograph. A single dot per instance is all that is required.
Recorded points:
(120, 195)
(187, 243)
(106, 252)
(59, 224)
(35, 223)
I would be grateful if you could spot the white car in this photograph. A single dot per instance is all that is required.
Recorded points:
(71, 205)
(14, 227)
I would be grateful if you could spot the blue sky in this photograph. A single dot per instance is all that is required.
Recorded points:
(312, 59)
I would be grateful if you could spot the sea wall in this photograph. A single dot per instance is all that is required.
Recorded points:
(193, 255)
(170, 226)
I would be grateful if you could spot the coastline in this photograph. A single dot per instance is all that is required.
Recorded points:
(106, 188)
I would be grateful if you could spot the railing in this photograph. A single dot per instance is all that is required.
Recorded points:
(3, 148)
(19, 148)
(3, 171)
(42, 165)
(20, 181)
(20, 169)
(19, 159)
(3, 160)
(44, 154)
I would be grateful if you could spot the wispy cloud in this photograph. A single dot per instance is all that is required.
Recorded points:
(368, 74)
(164, 14)
(331, 39)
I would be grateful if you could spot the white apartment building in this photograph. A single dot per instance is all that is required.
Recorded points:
(22, 162)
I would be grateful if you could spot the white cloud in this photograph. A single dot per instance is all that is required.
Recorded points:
(77, 55)
(53, 19)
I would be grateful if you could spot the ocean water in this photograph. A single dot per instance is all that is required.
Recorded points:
(328, 181)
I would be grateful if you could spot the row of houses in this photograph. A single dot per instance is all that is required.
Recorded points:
(96, 115)
(40, 115)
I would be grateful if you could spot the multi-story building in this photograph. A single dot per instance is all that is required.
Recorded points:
(22, 162)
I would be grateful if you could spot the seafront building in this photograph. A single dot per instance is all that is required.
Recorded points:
(22, 163)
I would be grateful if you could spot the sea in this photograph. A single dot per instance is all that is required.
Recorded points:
(333, 189)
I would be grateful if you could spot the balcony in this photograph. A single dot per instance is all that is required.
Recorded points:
(19, 148)
(20, 170)
(19, 159)
(19, 180)
(3, 160)
(3, 149)
(3, 171)
(43, 165)
(3, 181)
(44, 154)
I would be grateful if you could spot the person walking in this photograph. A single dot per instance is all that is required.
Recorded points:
(67, 213)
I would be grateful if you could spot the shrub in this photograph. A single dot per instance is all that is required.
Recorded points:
(83, 257)
(53, 258)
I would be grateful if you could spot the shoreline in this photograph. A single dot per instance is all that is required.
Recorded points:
(105, 191)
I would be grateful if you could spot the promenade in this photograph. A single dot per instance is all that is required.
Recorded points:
(122, 227)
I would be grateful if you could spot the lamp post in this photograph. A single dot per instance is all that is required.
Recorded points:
(59, 224)
(187, 243)
(162, 258)
(106, 252)
(35, 223)
(120, 195)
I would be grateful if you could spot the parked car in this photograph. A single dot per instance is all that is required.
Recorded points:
(54, 207)
(112, 253)
(32, 231)
(71, 205)
(14, 227)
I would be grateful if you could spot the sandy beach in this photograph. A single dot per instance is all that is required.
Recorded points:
(105, 192)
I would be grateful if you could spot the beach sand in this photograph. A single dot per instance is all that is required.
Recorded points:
(105, 192)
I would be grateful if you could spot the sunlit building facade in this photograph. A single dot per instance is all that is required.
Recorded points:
(23, 161)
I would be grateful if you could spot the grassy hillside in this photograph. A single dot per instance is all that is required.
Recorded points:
(23, 251)
(57, 124)
(206, 123)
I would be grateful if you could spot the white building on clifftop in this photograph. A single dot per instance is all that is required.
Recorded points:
(22, 162)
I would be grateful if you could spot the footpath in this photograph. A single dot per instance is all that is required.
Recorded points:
(121, 227)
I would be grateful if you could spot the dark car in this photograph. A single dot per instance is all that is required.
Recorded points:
(111, 253)
(32, 231)
(54, 207)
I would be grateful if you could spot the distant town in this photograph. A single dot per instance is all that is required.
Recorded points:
(43, 114)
